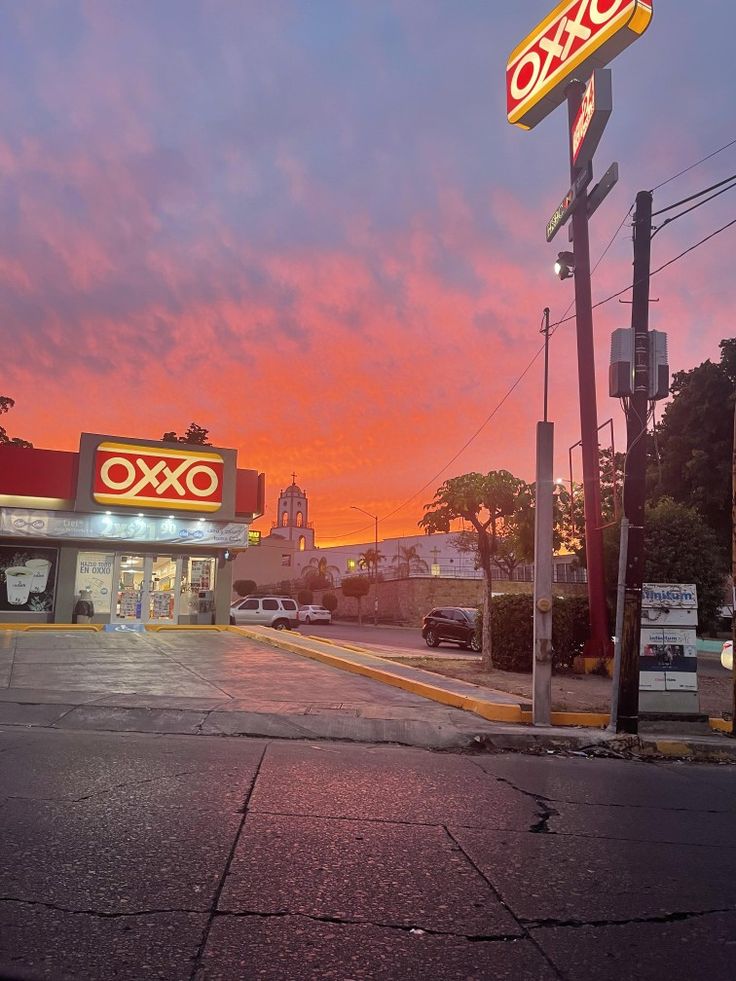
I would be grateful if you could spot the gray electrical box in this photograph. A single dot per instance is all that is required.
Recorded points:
(621, 371)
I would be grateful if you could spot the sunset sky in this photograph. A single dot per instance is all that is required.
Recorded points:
(307, 226)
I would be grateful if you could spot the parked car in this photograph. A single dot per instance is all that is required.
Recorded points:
(314, 614)
(453, 625)
(727, 655)
(279, 612)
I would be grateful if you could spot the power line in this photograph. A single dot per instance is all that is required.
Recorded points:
(696, 164)
(695, 206)
(692, 197)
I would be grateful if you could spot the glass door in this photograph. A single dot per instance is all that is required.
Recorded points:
(129, 577)
(147, 589)
(164, 574)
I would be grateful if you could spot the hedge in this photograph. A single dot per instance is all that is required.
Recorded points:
(512, 638)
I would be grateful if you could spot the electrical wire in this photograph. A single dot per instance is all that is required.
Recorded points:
(696, 164)
(694, 207)
(706, 190)
(566, 319)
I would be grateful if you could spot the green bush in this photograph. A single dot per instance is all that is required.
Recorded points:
(305, 597)
(513, 631)
(243, 587)
(329, 601)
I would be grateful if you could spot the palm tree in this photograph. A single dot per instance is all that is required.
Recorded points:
(409, 562)
(318, 570)
(370, 559)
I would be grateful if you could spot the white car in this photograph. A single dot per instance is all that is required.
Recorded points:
(314, 614)
(727, 655)
(279, 612)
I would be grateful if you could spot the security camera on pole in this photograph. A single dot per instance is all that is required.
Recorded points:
(562, 60)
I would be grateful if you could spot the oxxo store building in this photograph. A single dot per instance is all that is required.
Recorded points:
(145, 530)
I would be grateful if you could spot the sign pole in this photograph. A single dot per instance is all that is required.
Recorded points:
(598, 644)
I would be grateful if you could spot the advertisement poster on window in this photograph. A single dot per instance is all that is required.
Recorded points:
(27, 579)
(201, 574)
(94, 572)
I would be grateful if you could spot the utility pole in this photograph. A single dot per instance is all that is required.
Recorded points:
(598, 645)
(733, 572)
(542, 663)
(634, 478)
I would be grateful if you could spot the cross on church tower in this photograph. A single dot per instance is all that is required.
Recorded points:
(293, 478)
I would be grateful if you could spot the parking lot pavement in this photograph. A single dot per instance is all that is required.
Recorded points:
(209, 682)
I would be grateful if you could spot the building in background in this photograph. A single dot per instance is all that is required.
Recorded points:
(144, 529)
(289, 554)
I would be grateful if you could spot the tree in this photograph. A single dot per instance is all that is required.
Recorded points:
(409, 562)
(681, 547)
(356, 587)
(329, 601)
(243, 587)
(490, 503)
(370, 559)
(6, 404)
(318, 574)
(305, 597)
(195, 435)
(690, 455)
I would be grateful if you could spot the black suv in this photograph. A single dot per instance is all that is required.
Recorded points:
(454, 624)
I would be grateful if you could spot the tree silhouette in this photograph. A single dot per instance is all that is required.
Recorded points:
(6, 403)
(195, 435)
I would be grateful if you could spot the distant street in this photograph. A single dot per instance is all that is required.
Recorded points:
(133, 856)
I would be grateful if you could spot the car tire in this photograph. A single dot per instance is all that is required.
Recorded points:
(432, 639)
(280, 625)
(474, 644)
(307, 619)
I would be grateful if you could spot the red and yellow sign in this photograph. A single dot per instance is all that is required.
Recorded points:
(578, 36)
(129, 475)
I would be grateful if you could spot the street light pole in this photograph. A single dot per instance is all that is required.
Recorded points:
(375, 563)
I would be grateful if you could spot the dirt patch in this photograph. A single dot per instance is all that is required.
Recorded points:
(570, 693)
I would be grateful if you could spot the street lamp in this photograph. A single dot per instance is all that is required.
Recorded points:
(565, 265)
(375, 563)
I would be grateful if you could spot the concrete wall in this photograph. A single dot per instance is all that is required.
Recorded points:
(406, 601)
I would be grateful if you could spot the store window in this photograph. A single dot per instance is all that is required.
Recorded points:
(94, 573)
(27, 578)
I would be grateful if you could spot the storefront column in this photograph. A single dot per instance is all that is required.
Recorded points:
(66, 578)
(223, 590)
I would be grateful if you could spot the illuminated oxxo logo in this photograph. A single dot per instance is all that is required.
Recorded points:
(539, 69)
(142, 476)
(584, 116)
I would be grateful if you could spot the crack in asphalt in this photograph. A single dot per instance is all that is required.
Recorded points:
(677, 917)
(526, 933)
(98, 913)
(346, 921)
(586, 803)
(226, 870)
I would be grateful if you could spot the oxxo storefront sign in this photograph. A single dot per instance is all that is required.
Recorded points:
(136, 475)
(118, 475)
(578, 36)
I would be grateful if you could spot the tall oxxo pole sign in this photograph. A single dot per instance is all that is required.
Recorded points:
(563, 60)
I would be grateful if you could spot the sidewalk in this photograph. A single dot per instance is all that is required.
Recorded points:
(259, 682)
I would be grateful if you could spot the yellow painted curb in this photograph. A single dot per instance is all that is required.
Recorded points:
(155, 627)
(51, 626)
(721, 725)
(492, 712)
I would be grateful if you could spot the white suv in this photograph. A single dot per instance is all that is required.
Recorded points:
(279, 612)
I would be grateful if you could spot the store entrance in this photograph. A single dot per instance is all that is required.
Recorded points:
(148, 588)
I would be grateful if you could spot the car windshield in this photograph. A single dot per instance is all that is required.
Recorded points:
(469, 614)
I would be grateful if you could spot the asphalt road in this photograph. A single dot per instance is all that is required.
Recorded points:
(135, 856)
